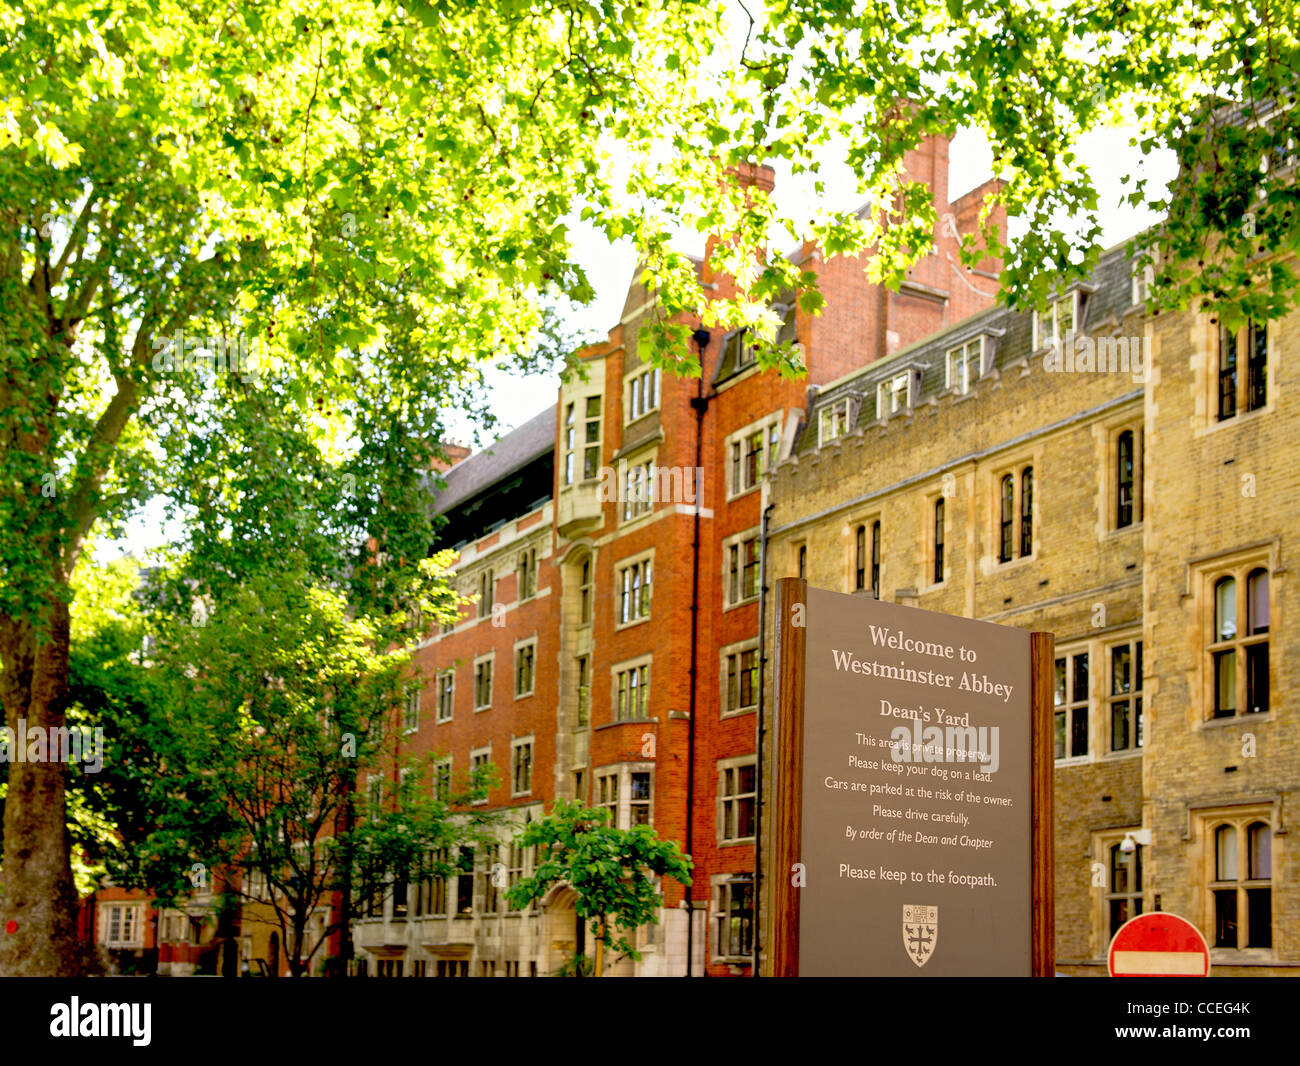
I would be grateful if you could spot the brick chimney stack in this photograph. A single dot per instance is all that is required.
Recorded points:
(454, 452)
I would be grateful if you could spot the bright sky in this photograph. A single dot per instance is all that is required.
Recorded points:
(1106, 154)
(609, 267)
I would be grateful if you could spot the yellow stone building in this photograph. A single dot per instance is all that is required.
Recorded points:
(1128, 482)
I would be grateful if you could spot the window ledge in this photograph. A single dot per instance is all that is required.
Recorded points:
(746, 492)
(1073, 760)
(625, 721)
(525, 695)
(1126, 753)
(1124, 531)
(740, 603)
(1012, 564)
(739, 842)
(736, 712)
(1235, 720)
(627, 523)
(1216, 423)
(488, 707)
(620, 626)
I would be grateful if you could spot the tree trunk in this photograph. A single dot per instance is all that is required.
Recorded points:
(38, 906)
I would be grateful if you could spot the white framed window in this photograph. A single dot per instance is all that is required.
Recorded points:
(442, 779)
(446, 695)
(740, 568)
(479, 758)
(591, 438)
(893, 395)
(374, 794)
(733, 936)
(521, 766)
(583, 665)
(739, 677)
(965, 364)
(607, 794)
(634, 588)
(581, 439)
(1060, 318)
(1124, 695)
(642, 393)
(526, 574)
(570, 441)
(123, 926)
(586, 588)
(737, 799)
(752, 453)
(483, 682)
(631, 689)
(627, 792)
(1141, 282)
(1072, 703)
(486, 590)
(525, 667)
(737, 346)
(411, 712)
(833, 421)
(639, 489)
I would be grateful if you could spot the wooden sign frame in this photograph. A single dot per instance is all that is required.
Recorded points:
(787, 792)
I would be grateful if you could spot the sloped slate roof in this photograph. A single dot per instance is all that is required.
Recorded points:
(512, 452)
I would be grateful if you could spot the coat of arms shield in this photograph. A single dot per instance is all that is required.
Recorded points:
(920, 932)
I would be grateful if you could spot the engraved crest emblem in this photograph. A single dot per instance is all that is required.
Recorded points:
(920, 932)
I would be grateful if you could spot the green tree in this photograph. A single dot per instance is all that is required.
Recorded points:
(609, 870)
(1215, 82)
(369, 201)
(372, 200)
(269, 709)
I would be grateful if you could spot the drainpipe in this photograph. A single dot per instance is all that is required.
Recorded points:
(700, 403)
(761, 730)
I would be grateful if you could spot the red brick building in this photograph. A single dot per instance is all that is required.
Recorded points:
(614, 545)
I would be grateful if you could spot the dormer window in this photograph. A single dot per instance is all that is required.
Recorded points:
(894, 395)
(737, 348)
(1059, 320)
(965, 364)
(833, 422)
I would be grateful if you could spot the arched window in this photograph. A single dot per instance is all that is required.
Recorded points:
(1124, 480)
(1225, 658)
(1257, 603)
(1225, 853)
(1242, 889)
(1259, 840)
(938, 540)
(875, 560)
(1006, 493)
(1027, 511)
(860, 559)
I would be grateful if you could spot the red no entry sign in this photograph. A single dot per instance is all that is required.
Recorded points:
(1158, 945)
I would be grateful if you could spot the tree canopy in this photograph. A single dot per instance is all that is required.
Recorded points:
(252, 255)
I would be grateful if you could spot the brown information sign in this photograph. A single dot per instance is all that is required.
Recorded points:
(910, 821)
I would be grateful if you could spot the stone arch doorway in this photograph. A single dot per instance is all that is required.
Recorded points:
(563, 936)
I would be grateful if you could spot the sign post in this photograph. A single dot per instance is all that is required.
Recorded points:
(912, 832)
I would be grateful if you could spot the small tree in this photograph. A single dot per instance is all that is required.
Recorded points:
(608, 868)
